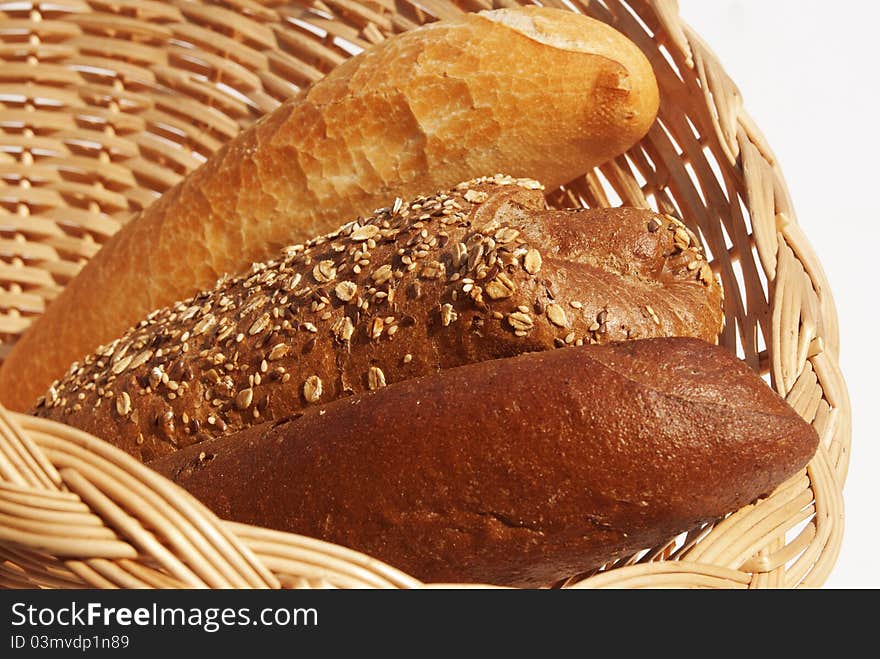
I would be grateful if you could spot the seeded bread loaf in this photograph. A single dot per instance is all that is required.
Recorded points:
(532, 91)
(479, 272)
(519, 471)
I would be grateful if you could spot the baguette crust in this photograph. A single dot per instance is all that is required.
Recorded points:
(479, 272)
(418, 113)
(521, 471)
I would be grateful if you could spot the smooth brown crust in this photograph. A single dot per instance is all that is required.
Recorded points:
(479, 272)
(520, 471)
(417, 113)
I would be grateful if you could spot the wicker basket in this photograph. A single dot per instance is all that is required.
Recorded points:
(104, 104)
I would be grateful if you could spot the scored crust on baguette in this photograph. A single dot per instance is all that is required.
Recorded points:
(419, 112)
(478, 272)
(520, 471)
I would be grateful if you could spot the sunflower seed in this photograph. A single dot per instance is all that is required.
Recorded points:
(557, 315)
(365, 233)
(140, 359)
(324, 272)
(313, 388)
(507, 235)
(448, 315)
(123, 404)
(433, 270)
(519, 321)
(475, 196)
(205, 324)
(532, 261)
(345, 290)
(375, 378)
(382, 275)
(244, 398)
(343, 329)
(121, 365)
(501, 287)
(259, 324)
(706, 275)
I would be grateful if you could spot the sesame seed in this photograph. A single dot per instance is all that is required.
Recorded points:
(407, 358)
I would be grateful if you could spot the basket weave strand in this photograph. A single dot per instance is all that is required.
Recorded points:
(105, 104)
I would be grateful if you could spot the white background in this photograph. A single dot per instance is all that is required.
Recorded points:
(808, 72)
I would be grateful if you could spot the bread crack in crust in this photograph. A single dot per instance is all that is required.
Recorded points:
(482, 271)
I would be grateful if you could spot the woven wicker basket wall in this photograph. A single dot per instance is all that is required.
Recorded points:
(104, 104)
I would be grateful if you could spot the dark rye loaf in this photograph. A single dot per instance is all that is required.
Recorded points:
(519, 471)
(480, 272)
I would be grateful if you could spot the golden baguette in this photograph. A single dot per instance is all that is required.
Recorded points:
(535, 92)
